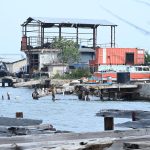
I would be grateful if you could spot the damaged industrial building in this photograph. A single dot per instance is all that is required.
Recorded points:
(38, 33)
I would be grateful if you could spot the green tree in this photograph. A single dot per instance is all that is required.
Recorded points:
(147, 57)
(69, 50)
(75, 74)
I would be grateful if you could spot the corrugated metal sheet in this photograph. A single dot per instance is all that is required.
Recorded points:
(11, 58)
(117, 56)
(70, 21)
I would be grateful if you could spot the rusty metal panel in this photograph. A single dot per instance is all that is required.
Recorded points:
(24, 43)
(117, 56)
(140, 56)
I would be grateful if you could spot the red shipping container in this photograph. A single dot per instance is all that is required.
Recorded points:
(119, 56)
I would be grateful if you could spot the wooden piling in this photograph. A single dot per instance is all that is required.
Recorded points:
(101, 96)
(53, 89)
(108, 123)
(19, 114)
(134, 116)
(8, 96)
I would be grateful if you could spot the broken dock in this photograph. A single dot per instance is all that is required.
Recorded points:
(109, 91)
(140, 119)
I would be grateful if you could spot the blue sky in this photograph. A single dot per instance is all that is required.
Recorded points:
(131, 16)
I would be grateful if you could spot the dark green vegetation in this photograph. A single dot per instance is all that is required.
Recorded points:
(147, 57)
(69, 54)
(69, 50)
(75, 74)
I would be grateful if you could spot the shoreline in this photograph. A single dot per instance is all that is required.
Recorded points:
(110, 140)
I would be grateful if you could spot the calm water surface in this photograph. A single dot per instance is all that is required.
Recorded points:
(66, 113)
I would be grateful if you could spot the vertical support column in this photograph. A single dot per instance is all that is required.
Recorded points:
(108, 123)
(114, 37)
(29, 57)
(42, 35)
(59, 31)
(94, 37)
(28, 42)
(111, 42)
(25, 32)
(77, 35)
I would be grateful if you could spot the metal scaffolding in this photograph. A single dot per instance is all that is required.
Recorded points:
(38, 33)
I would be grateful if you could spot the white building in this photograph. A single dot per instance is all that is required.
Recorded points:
(13, 62)
(14, 67)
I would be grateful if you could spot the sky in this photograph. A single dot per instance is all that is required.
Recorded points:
(131, 16)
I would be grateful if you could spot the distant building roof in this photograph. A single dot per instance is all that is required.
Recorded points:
(86, 50)
(11, 58)
(69, 22)
(78, 65)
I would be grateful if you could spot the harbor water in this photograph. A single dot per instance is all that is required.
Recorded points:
(67, 113)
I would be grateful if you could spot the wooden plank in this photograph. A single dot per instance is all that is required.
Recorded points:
(144, 123)
(27, 130)
(116, 113)
(59, 145)
(108, 86)
(136, 145)
(76, 143)
(6, 121)
(76, 136)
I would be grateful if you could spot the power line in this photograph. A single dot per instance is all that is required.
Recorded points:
(143, 2)
(125, 21)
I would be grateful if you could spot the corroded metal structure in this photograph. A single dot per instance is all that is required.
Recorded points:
(38, 33)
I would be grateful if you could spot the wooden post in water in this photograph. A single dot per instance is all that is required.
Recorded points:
(19, 114)
(53, 92)
(108, 123)
(134, 116)
(108, 94)
(101, 96)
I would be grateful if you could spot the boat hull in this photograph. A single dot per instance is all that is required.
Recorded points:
(134, 76)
